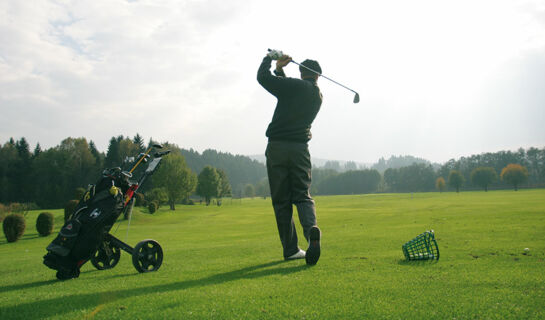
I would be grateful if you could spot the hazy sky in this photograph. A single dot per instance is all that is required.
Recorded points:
(437, 79)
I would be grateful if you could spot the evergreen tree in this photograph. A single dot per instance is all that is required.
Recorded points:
(139, 142)
(21, 173)
(37, 151)
(99, 157)
(113, 156)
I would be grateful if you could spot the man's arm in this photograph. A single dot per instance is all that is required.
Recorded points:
(276, 85)
(280, 64)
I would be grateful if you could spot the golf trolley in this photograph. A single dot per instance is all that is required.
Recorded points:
(85, 236)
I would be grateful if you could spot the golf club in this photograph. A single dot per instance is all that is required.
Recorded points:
(356, 97)
(145, 155)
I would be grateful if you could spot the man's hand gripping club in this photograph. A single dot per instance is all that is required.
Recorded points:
(282, 59)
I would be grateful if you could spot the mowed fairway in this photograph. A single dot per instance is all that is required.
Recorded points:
(226, 263)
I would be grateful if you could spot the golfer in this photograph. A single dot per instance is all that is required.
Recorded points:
(288, 158)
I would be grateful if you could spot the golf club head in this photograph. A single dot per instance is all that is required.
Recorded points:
(158, 146)
(159, 154)
(357, 98)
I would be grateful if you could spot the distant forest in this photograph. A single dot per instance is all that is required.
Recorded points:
(49, 178)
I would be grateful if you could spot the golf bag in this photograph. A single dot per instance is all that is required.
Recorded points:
(92, 219)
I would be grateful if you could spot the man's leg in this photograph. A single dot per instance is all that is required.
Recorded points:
(300, 176)
(300, 179)
(280, 186)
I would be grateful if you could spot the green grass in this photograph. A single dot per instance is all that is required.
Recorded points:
(225, 263)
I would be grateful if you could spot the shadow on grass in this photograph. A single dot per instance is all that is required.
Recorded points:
(27, 285)
(417, 263)
(31, 285)
(23, 238)
(58, 306)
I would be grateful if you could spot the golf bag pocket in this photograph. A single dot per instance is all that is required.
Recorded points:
(65, 240)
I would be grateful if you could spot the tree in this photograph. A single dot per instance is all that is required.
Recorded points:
(208, 184)
(263, 188)
(139, 142)
(37, 151)
(413, 178)
(249, 190)
(455, 180)
(483, 176)
(225, 187)
(176, 178)
(99, 157)
(113, 155)
(333, 165)
(350, 166)
(20, 174)
(350, 182)
(514, 174)
(128, 150)
(158, 195)
(440, 184)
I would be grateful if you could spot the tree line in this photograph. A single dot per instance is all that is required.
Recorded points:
(50, 177)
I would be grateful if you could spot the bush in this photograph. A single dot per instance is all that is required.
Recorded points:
(69, 209)
(152, 207)
(3, 212)
(140, 199)
(22, 208)
(157, 194)
(45, 223)
(79, 192)
(14, 227)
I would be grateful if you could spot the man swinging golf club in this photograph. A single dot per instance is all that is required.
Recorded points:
(288, 158)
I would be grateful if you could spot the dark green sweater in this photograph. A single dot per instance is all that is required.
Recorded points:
(298, 104)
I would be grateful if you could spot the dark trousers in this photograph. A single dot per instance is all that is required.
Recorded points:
(289, 172)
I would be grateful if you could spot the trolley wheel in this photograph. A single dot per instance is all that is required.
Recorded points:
(147, 256)
(106, 257)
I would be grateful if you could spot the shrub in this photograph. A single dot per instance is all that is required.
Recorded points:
(140, 199)
(157, 194)
(16, 207)
(79, 192)
(152, 207)
(69, 209)
(14, 227)
(45, 223)
(3, 212)
(22, 208)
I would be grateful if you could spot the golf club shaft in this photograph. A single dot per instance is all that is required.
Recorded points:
(142, 158)
(323, 76)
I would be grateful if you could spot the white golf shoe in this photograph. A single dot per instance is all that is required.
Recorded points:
(298, 255)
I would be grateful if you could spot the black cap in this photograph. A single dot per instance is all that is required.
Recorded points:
(311, 64)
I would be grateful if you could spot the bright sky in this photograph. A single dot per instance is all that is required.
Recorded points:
(437, 79)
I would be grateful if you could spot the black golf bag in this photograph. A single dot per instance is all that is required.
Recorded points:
(85, 230)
